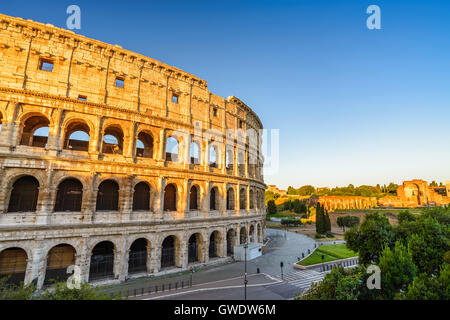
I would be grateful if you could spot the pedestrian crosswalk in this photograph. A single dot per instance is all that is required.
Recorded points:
(302, 279)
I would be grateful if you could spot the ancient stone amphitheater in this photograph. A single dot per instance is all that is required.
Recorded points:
(117, 163)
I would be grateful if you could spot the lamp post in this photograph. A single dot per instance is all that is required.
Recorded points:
(245, 268)
(323, 267)
(281, 266)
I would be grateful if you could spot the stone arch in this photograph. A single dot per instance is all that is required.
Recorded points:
(69, 195)
(195, 152)
(170, 197)
(231, 241)
(73, 140)
(102, 261)
(29, 124)
(243, 235)
(24, 194)
(241, 163)
(169, 251)
(229, 160)
(231, 204)
(59, 258)
(138, 256)
(108, 196)
(214, 198)
(173, 148)
(214, 244)
(252, 199)
(213, 155)
(194, 197)
(242, 199)
(109, 145)
(13, 264)
(251, 233)
(142, 196)
(146, 150)
(195, 247)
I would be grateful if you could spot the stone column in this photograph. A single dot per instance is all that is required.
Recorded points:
(126, 198)
(237, 204)
(159, 200)
(123, 258)
(45, 206)
(160, 156)
(85, 259)
(95, 138)
(55, 132)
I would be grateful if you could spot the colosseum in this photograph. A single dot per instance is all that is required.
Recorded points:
(117, 163)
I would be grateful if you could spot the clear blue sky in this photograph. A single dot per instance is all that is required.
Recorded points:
(353, 105)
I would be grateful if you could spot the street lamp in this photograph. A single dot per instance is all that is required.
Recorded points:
(323, 267)
(281, 266)
(245, 267)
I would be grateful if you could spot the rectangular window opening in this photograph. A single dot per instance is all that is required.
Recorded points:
(46, 65)
(120, 82)
(82, 98)
(174, 98)
(215, 112)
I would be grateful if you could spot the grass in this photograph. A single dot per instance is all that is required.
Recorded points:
(331, 252)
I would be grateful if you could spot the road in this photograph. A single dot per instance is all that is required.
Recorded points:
(227, 281)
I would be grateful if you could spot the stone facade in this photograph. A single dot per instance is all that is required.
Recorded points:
(332, 203)
(417, 193)
(133, 186)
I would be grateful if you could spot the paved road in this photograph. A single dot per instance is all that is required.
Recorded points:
(226, 282)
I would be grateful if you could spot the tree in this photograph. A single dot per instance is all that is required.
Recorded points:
(271, 207)
(60, 291)
(374, 233)
(320, 219)
(397, 270)
(341, 222)
(430, 288)
(306, 190)
(9, 291)
(292, 190)
(287, 206)
(297, 206)
(327, 221)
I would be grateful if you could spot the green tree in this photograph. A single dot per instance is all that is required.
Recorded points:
(297, 206)
(397, 270)
(60, 291)
(320, 219)
(292, 190)
(374, 233)
(271, 207)
(10, 291)
(425, 287)
(327, 221)
(306, 190)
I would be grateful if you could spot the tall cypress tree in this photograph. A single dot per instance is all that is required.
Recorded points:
(320, 223)
(327, 222)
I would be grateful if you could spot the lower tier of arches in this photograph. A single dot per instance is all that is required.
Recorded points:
(105, 254)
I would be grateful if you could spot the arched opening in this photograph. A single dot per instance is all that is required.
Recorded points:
(24, 195)
(172, 149)
(170, 198)
(168, 252)
(113, 140)
(69, 196)
(252, 234)
(144, 145)
(229, 159)
(195, 153)
(213, 157)
(241, 164)
(59, 258)
(102, 261)
(108, 196)
(137, 260)
(242, 199)
(252, 200)
(213, 199)
(77, 137)
(230, 199)
(13, 265)
(243, 235)
(193, 198)
(194, 248)
(141, 197)
(230, 242)
(35, 132)
(213, 244)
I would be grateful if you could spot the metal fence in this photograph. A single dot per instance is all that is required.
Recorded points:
(345, 264)
(154, 289)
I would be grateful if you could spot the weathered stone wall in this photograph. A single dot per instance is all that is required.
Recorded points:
(87, 69)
